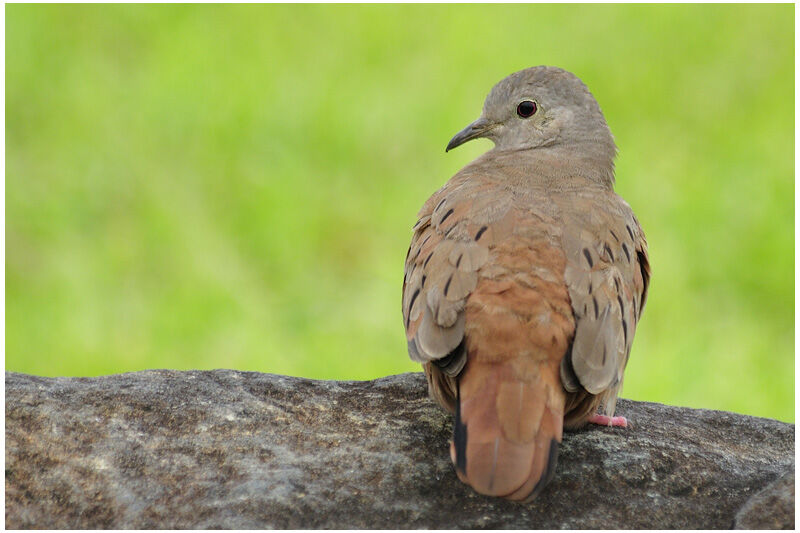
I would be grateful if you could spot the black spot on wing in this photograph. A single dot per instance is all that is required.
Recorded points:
(588, 256)
(608, 251)
(420, 223)
(449, 212)
(644, 269)
(627, 253)
(425, 241)
(413, 299)
(419, 248)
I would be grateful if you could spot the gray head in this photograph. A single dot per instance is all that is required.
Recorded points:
(537, 107)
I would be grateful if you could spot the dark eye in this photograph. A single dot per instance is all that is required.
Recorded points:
(526, 109)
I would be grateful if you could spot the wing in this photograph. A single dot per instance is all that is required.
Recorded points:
(451, 241)
(607, 277)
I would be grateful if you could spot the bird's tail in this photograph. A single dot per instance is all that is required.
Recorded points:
(508, 425)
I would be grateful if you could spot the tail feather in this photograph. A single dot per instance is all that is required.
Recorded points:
(509, 421)
(542, 472)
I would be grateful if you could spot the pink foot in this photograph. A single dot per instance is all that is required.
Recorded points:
(610, 421)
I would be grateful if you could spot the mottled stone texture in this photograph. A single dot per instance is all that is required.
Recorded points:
(772, 508)
(227, 449)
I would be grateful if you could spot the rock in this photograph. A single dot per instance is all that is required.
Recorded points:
(772, 508)
(226, 449)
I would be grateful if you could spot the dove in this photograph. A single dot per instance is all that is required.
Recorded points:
(524, 283)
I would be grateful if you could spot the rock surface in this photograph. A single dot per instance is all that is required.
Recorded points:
(228, 449)
(772, 508)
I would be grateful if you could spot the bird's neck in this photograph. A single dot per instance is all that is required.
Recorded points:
(583, 161)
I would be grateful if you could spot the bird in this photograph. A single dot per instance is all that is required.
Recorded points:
(524, 283)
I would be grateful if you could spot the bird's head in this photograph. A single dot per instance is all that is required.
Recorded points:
(538, 107)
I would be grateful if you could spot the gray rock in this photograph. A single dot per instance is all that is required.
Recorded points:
(772, 508)
(227, 449)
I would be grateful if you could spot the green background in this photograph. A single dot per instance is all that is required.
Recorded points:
(234, 186)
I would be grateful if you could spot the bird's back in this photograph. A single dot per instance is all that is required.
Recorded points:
(524, 282)
(487, 287)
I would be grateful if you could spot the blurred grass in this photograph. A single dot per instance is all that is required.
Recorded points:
(234, 186)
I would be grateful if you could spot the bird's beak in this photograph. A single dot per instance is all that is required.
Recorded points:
(479, 128)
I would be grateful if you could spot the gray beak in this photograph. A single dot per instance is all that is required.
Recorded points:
(479, 128)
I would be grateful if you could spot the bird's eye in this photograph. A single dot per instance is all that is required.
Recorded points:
(526, 109)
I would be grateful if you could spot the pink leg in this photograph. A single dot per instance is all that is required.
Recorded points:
(610, 421)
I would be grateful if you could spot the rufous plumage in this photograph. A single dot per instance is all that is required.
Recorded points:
(524, 283)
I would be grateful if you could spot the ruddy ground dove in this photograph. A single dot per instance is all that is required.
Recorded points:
(524, 283)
